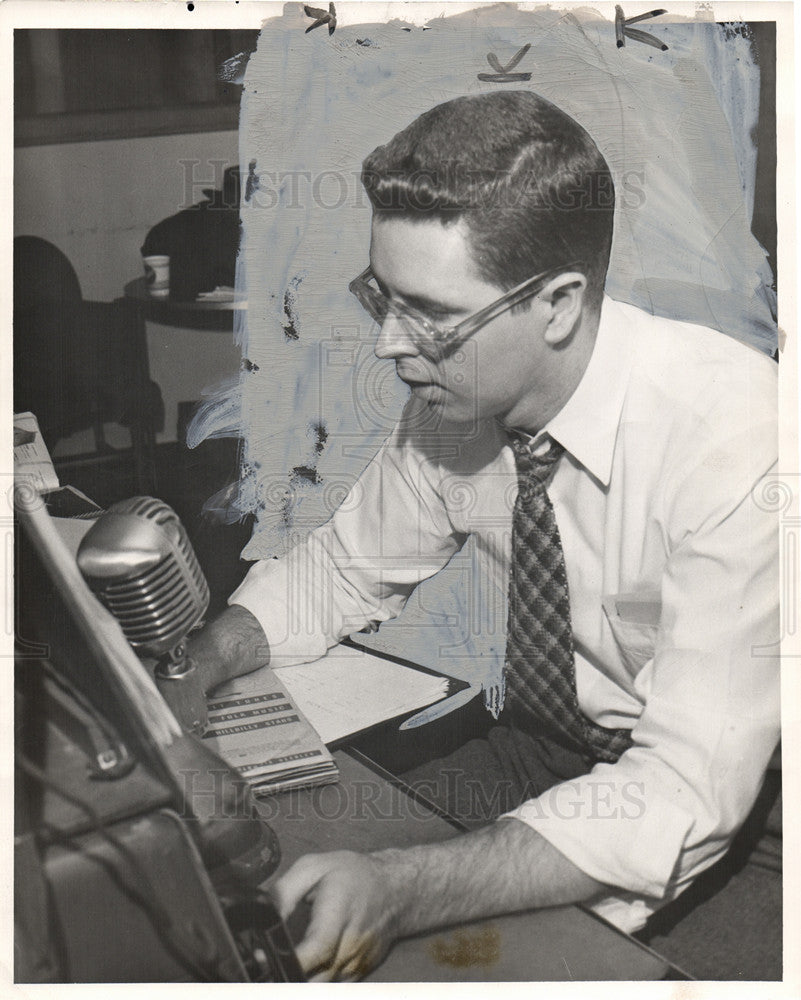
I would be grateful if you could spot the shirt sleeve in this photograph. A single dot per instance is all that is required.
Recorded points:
(390, 533)
(668, 809)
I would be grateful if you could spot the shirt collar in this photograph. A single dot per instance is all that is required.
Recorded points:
(587, 424)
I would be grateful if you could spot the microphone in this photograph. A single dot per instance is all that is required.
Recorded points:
(139, 562)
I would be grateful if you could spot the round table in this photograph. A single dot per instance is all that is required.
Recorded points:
(202, 314)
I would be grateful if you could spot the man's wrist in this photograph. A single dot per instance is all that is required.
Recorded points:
(233, 644)
(406, 889)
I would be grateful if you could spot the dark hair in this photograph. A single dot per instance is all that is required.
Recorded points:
(529, 182)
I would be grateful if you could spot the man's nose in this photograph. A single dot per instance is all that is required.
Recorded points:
(394, 341)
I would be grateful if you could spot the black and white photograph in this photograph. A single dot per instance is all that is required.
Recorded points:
(402, 531)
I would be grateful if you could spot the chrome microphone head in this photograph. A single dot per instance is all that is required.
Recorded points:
(139, 561)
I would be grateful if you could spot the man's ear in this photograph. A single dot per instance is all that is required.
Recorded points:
(565, 297)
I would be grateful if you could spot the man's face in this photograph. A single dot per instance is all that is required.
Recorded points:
(497, 372)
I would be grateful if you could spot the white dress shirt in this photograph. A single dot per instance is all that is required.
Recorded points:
(672, 566)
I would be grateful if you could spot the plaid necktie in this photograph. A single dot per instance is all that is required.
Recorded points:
(540, 666)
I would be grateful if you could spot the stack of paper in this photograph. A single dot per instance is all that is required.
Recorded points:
(272, 724)
(258, 730)
(32, 462)
(349, 690)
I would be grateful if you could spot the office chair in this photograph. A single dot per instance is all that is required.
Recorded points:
(77, 364)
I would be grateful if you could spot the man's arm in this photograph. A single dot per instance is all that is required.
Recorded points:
(233, 644)
(391, 532)
(362, 902)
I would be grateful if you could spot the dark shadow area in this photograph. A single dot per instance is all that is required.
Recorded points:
(728, 924)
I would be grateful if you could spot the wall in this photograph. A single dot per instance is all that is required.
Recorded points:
(96, 202)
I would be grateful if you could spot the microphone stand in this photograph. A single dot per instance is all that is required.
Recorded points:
(178, 680)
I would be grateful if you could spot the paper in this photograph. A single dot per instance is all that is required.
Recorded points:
(222, 293)
(31, 458)
(643, 608)
(258, 729)
(350, 690)
(72, 531)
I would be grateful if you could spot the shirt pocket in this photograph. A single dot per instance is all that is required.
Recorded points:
(634, 623)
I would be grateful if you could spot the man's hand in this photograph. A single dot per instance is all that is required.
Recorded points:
(353, 919)
(361, 903)
(233, 644)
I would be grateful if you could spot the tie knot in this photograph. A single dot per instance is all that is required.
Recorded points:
(531, 465)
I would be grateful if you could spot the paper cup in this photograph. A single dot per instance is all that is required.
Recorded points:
(157, 275)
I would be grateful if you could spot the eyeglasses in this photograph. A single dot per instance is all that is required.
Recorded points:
(437, 342)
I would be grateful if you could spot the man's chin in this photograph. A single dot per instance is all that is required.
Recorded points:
(453, 418)
(439, 412)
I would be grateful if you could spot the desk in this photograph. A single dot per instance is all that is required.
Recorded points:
(216, 316)
(368, 810)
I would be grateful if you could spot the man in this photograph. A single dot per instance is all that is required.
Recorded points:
(638, 705)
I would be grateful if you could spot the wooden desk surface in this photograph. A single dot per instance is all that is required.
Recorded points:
(365, 811)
